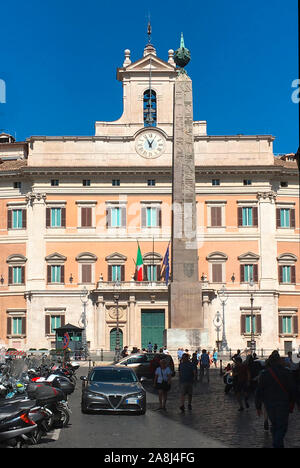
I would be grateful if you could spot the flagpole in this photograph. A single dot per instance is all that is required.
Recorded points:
(152, 258)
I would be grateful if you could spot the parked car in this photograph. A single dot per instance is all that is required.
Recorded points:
(144, 364)
(112, 388)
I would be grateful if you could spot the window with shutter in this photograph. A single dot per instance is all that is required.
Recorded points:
(278, 220)
(9, 219)
(48, 217)
(24, 219)
(295, 324)
(243, 324)
(144, 216)
(216, 216)
(242, 274)
(255, 216)
(86, 217)
(86, 273)
(47, 324)
(8, 325)
(280, 325)
(258, 324)
(108, 217)
(23, 325)
(240, 216)
(293, 219)
(217, 272)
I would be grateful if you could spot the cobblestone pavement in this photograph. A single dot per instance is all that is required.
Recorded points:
(216, 415)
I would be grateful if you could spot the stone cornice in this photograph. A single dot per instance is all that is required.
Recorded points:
(132, 137)
(36, 170)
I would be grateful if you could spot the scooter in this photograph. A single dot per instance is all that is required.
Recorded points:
(16, 427)
(53, 400)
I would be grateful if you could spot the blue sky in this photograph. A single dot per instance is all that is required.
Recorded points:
(59, 60)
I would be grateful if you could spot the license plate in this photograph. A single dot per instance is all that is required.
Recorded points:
(132, 401)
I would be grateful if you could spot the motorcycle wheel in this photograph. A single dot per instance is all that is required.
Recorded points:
(64, 417)
(36, 436)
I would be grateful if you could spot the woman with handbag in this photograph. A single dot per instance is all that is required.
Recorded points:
(162, 381)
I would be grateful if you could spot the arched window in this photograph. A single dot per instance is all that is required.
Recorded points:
(150, 109)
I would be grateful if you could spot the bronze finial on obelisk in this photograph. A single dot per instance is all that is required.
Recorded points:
(186, 319)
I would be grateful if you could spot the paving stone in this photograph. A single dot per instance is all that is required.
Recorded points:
(216, 414)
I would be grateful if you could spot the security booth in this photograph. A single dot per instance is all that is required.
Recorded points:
(73, 335)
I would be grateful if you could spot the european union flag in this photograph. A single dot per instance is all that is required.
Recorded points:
(167, 265)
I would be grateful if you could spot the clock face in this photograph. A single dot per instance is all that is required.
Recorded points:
(150, 144)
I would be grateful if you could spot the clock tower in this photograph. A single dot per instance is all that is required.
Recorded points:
(148, 81)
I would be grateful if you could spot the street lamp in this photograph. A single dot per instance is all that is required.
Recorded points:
(116, 298)
(218, 323)
(84, 299)
(251, 287)
(223, 297)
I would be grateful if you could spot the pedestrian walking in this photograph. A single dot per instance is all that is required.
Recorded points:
(187, 374)
(241, 382)
(195, 365)
(124, 352)
(276, 390)
(155, 348)
(215, 357)
(165, 350)
(162, 381)
(204, 365)
(149, 347)
(179, 354)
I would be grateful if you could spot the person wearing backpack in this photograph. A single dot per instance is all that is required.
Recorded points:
(204, 365)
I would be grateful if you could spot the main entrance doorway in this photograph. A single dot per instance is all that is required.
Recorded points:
(113, 339)
(153, 325)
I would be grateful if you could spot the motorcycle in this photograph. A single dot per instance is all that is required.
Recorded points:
(53, 400)
(16, 427)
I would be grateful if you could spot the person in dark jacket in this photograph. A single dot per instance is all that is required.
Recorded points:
(187, 372)
(276, 390)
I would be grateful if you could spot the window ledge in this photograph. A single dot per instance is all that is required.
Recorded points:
(248, 335)
(288, 335)
(11, 336)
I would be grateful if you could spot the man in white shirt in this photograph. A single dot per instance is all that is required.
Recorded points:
(165, 351)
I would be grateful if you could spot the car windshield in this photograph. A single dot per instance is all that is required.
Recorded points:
(113, 375)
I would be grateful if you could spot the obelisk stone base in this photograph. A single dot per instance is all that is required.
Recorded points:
(186, 338)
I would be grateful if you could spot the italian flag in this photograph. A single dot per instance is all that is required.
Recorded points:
(139, 265)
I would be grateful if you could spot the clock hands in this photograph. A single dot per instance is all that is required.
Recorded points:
(150, 142)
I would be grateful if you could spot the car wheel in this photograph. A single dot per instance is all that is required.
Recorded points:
(84, 409)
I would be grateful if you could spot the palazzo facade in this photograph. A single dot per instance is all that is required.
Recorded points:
(73, 209)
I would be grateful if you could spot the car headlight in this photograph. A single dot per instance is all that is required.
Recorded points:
(95, 395)
(136, 395)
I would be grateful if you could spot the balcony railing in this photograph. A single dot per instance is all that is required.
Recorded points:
(125, 285)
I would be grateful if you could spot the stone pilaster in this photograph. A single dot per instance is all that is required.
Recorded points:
(268, 246)
(36, 250)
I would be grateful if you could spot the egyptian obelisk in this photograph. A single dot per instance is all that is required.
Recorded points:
(186, 320)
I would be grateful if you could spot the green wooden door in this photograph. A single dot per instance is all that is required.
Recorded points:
(113, 339)
(153, 325)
